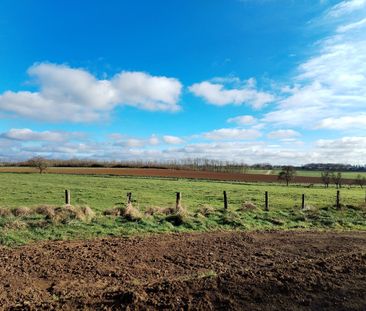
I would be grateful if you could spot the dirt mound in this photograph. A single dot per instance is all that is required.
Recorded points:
(202, 271)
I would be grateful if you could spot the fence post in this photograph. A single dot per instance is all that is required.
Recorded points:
(129, 198)
(266, 201)
(338, 200)
(178, 201)
(67, 197)
(303, 201)
(225, 200)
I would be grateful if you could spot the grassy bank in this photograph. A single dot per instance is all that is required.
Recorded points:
(202, 202)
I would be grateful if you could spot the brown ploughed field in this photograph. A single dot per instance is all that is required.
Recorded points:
(201, 271)
(154, 172)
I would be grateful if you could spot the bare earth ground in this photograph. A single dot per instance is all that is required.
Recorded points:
(201, 271)
(153, 172)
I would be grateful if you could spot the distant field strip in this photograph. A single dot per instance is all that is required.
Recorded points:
(151, 172)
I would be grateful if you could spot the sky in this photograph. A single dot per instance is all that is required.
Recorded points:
(250, 81)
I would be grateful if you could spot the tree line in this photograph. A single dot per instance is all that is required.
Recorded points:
(288, 173)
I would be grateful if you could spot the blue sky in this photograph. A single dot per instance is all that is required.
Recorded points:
(249, 81)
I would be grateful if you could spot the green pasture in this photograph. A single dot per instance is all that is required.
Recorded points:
(104, 192)
(347, 175)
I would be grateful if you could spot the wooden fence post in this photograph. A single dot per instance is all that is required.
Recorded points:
(178, 201)
(129, 198)
(303, 201)
(266, 201)
(67, 197)
(225, 200)
(338, 200)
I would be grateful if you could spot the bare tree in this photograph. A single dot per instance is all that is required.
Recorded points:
(361, 181)
(337, 179)
(287, 174)
(326, 176)
(38, 162)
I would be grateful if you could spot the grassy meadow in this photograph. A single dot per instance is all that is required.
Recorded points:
(202, 203)
(347, 175)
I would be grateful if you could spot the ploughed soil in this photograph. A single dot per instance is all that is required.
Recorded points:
(200, 271)
(155, 172)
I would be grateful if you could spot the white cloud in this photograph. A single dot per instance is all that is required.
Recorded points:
(351, 26)
(346, 7)
(343, 123)
(283, 134)
(153, 140)
(329, 85)
(217, 94)
(173, 140)
(29, 135)
(243, 120)
(341, 143)
(75, 95)
(232, 134)
(147, 92)
(131, 142)
(287, 151)
(342, 150)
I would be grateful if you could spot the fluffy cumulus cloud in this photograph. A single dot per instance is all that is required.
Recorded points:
(68, 94)
(232, 134)
(283, 134)
(331, 85)
(343, 123)
(217, 94)
(25, 134)
(242, 120)
(172, 140)
(336, 150)
(131, 142)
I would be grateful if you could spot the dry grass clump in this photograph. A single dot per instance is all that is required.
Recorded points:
(231, 218)
(55, 215)
(116, 212)
(178, 217)
(15, 224)
(157, 210)
(127, 212)
(87, 213)
(309, 208)
(131, 213)
(46, 210)
(21, 211)
(206, 210)
(175, 215)
(247, 206)
(67, 213)
(5, 212)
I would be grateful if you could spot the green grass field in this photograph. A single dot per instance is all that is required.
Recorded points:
(347, 175)
(104, 192)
